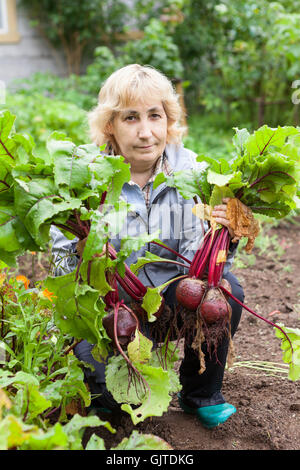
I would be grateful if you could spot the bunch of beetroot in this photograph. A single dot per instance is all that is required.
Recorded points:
(205, 292)
(202, 290)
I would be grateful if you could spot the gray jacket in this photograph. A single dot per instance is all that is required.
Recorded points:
(169, 212)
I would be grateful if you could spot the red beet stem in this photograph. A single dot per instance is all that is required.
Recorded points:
(172, 251)
(130, 365)
(112, 297)
(199, 258)
(78, 233)
(130, 283)
(134, 294)
(134, 280)
(132, 313)
(82, 224)
(213, 258)
(199, 261)
(257, 315)
(103, 197)
(218, 268)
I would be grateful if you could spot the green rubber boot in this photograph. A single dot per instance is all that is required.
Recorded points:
(210, 416)
(93, 410)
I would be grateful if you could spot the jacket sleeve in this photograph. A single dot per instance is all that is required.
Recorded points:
(63, 252)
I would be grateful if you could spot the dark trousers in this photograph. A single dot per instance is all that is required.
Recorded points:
(197, 389)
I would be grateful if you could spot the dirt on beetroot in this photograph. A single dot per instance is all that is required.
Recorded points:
(267, 403)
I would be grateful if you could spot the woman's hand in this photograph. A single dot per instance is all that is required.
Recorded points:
(219, 214)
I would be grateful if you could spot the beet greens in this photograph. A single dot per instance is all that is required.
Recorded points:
(77, 190)
(263, 175)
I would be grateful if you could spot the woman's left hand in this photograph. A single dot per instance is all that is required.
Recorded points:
(219, 214)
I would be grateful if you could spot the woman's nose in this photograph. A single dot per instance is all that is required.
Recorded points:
(144, 130)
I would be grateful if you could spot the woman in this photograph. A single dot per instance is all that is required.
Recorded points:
(138, 117)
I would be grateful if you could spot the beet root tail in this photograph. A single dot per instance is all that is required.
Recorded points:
(227, 292)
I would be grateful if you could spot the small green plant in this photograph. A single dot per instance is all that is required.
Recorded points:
(40, 377)
(206, 136)
(288, 268)
(39, 116)
(264, 245)
(33, 347)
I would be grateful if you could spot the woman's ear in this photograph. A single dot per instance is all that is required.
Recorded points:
(109, 128)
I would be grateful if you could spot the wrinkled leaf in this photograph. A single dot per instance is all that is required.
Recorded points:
(137, 441)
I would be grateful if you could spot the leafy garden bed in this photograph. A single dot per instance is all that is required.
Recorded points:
(44, 400)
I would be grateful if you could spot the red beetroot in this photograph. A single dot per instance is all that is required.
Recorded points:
(214, 307)
(126, 326)
(189, 292)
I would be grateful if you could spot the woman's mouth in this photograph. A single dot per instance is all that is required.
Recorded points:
(145, 147)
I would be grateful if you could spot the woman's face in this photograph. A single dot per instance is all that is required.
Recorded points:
(140, 132)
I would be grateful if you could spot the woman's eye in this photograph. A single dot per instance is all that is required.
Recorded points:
(130, 118)
(155, 116)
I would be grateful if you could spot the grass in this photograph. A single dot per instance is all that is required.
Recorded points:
(265, 367)
(206, 136)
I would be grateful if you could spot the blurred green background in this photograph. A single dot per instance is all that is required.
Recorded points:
(235, 64)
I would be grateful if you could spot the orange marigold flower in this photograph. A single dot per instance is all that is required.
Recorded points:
(50, 295)
(24, 279)
(33, 252)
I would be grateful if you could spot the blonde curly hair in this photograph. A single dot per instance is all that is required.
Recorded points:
(129, 85)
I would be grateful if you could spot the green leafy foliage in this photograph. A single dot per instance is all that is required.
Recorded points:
(150, 390)
(40, 114)
(269, 160)
(49, 191)
(38, 377)
(193, 183)
(156, 48)
(139, 441)
(289, 357)
(240, 59)
(263, 173)
(75, 188)
(74, 26)
(78, 310)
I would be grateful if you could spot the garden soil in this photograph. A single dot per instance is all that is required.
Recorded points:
(267, 402)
